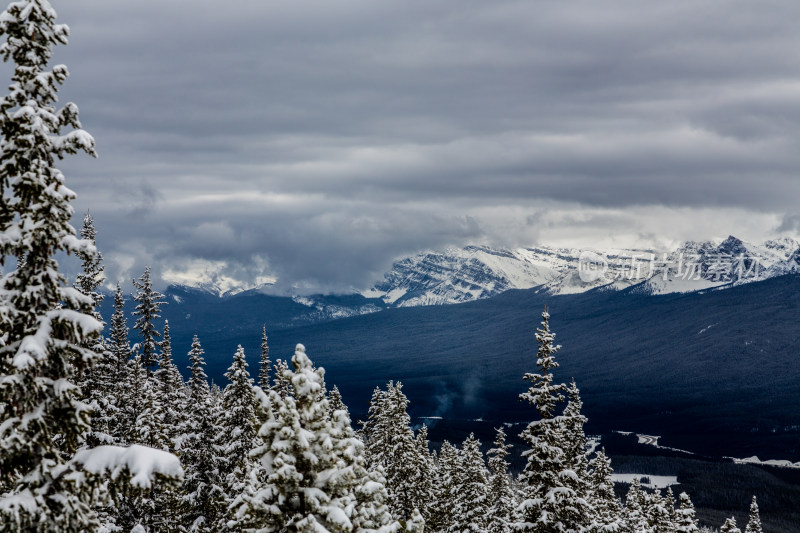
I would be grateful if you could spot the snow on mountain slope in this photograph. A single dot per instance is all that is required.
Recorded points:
(698, 266)
(464, 274)
(459, 275)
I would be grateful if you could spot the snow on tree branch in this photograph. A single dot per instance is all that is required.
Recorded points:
(141, 463)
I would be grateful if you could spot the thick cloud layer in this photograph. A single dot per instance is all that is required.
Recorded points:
(314, 141)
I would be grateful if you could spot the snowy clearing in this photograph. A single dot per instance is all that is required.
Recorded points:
(781, 463)
(655, 482)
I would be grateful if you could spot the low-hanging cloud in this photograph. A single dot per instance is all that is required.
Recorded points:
(314, 142)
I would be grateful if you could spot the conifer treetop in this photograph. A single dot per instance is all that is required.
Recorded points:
(148, 309)
(543, 393)
(754, 522)
(264, 363)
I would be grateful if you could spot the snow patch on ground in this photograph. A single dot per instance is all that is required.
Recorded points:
(769, 462)
(393, 295)
(653, 482)
(652, 440)
(302, 300)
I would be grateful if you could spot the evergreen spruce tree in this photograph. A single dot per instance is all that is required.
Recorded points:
(45, 325)
(281, 384)
(149, 429)
(120, 354)
(471, 504)
(669, 501)
(374, 431)
(142, 414)
(203, 498)
(238, 427)
(391, 447)
(575, 443)
(442, 509)
(170, 389)
(575, 438)
(371, 509)
(97, 382)
(658, 513)
(754, 523)
(636, 508)
(264, 363)
(685, 521)
(134, 399)
(608, 516)
(730, 526)
(501, 497)
(147, 309)
(425, 467)
(118, 342)
(49, 331)
(335, 402)
(316, 479)
(91, 276)
(552, 499)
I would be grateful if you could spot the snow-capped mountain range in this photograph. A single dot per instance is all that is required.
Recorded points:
(459, 275)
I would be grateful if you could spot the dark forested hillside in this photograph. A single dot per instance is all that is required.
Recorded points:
(714, 372)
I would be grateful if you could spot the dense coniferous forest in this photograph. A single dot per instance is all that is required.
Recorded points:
(98, 434)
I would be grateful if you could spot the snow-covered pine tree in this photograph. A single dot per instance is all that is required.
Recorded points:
(575, 444)
(608, 516)
(501, 497)
(171, 391)
(371, 510)
(374, 431)
(447, 466)
(120, 348)
(238, 426)
(148, 308)
(281, 384)
(264, 363)
(685, 521)
(91, 276)
(575, 438)
(551, 501)
(118, 341)
(390, 446)
(316, 476)
(97, 382)
(155, 509)
(149, 429)
(471, 506)
(335, 402)
(669, 501)
(730, 526)
(658, 513)
(425, 466)
(204, 499)
(45, 325)
(636, 508)
(754, 523)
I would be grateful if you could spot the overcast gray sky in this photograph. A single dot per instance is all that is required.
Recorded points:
(315, 141)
